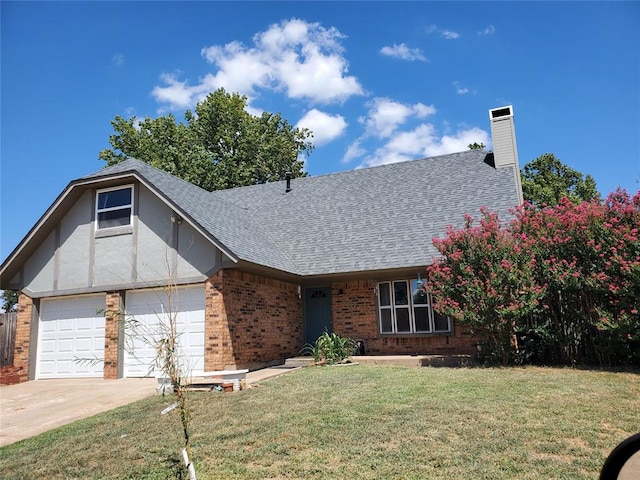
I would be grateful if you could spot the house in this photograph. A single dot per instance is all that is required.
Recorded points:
(259, 271)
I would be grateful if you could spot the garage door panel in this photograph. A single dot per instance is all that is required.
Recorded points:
(46, 368)
(66, 324)
(64, 346)
(147, 309)
(85, 345)
(71, 330)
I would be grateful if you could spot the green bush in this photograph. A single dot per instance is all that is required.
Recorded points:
(331, 348)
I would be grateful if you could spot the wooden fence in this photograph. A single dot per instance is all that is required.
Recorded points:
(8, 323)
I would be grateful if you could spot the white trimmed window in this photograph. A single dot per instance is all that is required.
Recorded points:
(114, 207)
(405, 307)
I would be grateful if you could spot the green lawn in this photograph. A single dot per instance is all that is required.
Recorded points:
(358, 422)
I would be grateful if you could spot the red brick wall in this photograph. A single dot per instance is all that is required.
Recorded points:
(355, 316)
(250, 321)
(19, 371)
(112, 317)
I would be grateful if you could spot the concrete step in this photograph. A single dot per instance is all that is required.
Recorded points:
(294, 362)
(415, 360)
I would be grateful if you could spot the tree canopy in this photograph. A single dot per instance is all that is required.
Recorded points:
(219, 146)
(9, 300)
(476, 146)
(546, 180)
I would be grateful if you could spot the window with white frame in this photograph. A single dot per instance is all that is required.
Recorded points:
(114, 207)
(405, 307)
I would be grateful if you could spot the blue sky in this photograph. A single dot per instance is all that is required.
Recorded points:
(377, 82)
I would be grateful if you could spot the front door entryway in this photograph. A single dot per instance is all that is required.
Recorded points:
(318, 317)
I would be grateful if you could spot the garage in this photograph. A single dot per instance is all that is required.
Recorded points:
(71, 337)
(147, 319)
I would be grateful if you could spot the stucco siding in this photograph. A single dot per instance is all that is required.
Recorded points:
(196, 255)
(168, 247)
(39, 269)
(74, 252)
(113, 260)
(154, 254)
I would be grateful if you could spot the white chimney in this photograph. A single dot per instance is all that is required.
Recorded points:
(503, 135)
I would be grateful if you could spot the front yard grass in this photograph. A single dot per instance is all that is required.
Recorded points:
(358, 422)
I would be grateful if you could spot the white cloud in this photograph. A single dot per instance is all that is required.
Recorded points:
(458, 142)
(460, 90)
(117, 60)
(325, 127)
(490, 30)
(446, 34)
(302, 59)
(385, 115)
(355, 150)
(430, 29)
(403, 52)
(423, 141)
(450, 35)
(177, 94)
(255, 111)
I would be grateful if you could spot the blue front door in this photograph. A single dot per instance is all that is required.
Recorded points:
(317, 313)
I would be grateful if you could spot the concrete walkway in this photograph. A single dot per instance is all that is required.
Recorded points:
(30, 408)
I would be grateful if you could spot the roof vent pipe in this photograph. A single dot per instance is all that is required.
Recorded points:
(287, 177)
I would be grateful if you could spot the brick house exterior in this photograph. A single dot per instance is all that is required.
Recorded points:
(258, 271)
(355, 316)
(250, 320)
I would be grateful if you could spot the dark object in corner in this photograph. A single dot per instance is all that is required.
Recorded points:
(619, 456)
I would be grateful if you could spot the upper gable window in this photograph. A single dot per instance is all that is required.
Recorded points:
(114, 207)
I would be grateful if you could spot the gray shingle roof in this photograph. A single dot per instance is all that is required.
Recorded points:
(360, 220)
(376, 218)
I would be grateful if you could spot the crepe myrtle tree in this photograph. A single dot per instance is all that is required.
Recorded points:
(485, 280)
(567, 277)
(588, 262)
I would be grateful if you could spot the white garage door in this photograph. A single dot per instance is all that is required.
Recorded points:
(147, 322)
(71, 337)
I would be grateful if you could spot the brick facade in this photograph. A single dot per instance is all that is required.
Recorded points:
(250, 321)
(355, 315)
(19, 371)
(112, 317)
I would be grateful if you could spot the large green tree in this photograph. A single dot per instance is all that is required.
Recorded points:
(546, 180)
(220, 145)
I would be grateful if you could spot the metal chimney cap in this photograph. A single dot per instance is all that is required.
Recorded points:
(500, 112)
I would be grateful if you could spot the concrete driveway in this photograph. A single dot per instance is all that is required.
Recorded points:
(30, 408)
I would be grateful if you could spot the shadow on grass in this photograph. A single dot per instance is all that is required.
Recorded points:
(175, 468)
